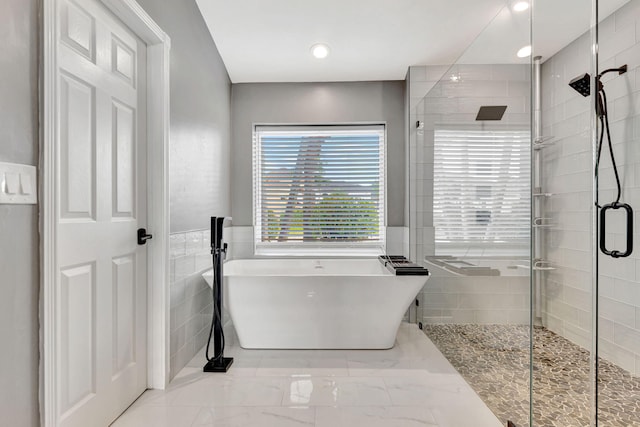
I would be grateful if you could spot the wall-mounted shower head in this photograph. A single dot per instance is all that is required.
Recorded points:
(582, 84)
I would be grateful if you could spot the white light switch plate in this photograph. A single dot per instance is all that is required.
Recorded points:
(18, 184)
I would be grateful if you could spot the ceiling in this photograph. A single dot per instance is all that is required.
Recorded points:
(380, 39)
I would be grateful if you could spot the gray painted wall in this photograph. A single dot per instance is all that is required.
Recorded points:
(292, 103)
(200, 146)
(19, 271)
(199, 167)
(200, 117)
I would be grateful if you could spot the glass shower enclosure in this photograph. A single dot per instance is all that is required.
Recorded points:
(523, 181)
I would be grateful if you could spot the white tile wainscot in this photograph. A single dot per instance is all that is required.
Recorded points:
(190, 297)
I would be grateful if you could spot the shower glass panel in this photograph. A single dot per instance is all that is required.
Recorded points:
(470, 210)
(586, 351)
(562, 309)
(618, 275)
(525, 215)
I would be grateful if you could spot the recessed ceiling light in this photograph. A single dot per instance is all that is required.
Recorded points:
(524, 52)
(320, 50)
(455, 78)
(521, 6)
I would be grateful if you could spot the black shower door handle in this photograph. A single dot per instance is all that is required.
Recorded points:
(603, 229)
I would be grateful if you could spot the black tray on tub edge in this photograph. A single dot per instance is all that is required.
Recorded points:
(401, 266)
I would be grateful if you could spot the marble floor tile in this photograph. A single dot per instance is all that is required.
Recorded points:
(377, 416)
(230, 391)
(254, 417)
(430, 390)
(157, 416)
(399, 367)
(311, 366)
(410, 385)
(336, 391)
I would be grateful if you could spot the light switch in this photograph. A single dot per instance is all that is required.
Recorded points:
(25, 184)
(18, 185)
(11, 183)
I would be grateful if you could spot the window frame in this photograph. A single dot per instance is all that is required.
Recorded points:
(317, 248)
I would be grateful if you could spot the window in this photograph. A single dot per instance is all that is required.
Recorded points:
(481, 194)
(319, 190)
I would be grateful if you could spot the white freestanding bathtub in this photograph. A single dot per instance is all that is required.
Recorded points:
(316, 303)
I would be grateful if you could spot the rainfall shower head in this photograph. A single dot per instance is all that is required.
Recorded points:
(582, 84)
(491, 112)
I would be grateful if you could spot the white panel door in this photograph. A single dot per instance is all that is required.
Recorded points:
(100, 193)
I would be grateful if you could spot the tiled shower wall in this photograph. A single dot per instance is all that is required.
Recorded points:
(453, 103)
(447, 298)
(568, 174)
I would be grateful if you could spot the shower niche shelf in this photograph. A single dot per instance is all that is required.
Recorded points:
(542, 222)
(542, 142)
(539, 265)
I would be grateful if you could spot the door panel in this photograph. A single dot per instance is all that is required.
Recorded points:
(124, 319)
(124, 155)
(101, 194)
(78, 30)
(77, 148)
(78, 334)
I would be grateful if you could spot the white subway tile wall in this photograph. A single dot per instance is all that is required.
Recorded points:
(190, 296)
(503, 299)
(568, 175)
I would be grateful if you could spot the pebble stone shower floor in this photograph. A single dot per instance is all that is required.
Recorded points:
(494, 360)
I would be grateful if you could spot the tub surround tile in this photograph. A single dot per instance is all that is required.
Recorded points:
(317, 388)
(193, 241)
(177, 246)
(395, 240)
(189, 256)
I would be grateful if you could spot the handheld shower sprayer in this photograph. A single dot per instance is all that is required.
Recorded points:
(582, 84)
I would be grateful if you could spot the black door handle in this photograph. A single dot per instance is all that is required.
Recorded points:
(603, 230)
(143, 236)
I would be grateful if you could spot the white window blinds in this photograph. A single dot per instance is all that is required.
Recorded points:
(481, 190)
(319, 190)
